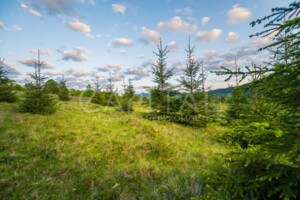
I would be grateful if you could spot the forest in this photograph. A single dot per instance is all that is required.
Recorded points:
(177, 142)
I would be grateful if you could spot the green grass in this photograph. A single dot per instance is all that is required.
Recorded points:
(104, 154)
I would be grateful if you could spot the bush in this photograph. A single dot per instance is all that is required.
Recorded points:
(75, 93)
(51, 86)
(127, 98)
(88, 91)
(97, 98)
(109, 99)
(37, 101)
(7, 94)
(63, 93)
(165, 102)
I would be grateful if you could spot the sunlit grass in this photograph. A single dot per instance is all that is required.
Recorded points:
(87, 151)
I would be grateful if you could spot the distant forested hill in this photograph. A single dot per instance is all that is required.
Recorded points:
(221, 91)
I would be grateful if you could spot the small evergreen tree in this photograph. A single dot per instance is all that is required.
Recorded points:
(63, 93)
(97, 97)
(36, 98)
(51, 86)
(88, 91)
(18, 87)
(110, 96)
(6, 86)
(160, 98)
(238, 99)
(191, 81)
(127, 98)
(74, 92)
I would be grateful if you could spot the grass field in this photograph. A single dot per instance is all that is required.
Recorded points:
(103, 154)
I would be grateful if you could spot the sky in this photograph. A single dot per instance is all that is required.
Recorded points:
(83, 39)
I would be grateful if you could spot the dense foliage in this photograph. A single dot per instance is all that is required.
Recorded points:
(51, 86)
(266, 163)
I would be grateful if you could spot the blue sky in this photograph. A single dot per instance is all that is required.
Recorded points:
(83, 39)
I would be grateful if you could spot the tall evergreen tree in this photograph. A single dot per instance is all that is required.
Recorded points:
(160, 71)
(36, 98)
(160, 98)
(267, 162)
(191, 80)
(6, 85)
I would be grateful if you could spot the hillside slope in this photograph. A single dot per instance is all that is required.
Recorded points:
(104, 154)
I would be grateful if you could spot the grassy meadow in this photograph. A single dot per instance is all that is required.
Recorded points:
(87, 151)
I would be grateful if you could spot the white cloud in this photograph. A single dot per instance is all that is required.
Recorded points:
(82, 73)
(176, 24)
(7, 64)
(238, 14)
(117, 78)
(186, 11)
(76, 25)
(30, 62)
(149, 36)
(12, 28)
(122, 42)
(81, 49)
(148, 63)
(211, 54)
(178, 67)
(119, 8)
(110, 67)
(10, 53)
(88, 2)
(227, 63)
(42, 51)
(172, 46)
(54, 73)
(209, 35)
(53, 7)
(138, 73)
(77, 54)
(30, 10)
(232, 37)
(205, 20)
(16, 27)
(123, 52)
(78, 73)
(261, 42)
(2, 25)
(9, 68)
